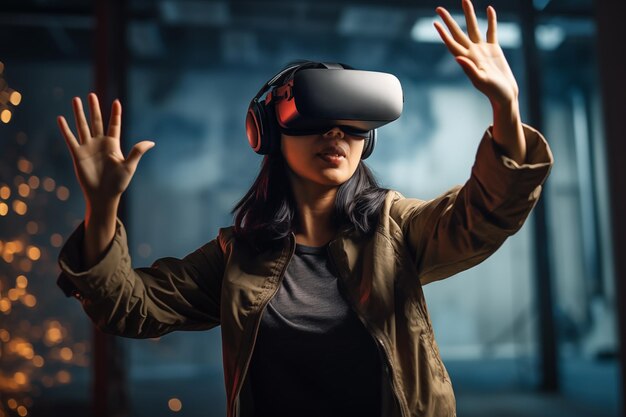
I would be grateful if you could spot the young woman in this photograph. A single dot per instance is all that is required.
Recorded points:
(317, 286)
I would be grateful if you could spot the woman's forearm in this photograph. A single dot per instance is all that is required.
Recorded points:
(507, 130)
(99, 230)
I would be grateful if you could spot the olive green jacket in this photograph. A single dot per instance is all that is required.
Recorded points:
(416, 242)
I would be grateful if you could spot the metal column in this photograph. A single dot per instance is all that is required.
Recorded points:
(611, 33)
(110, 60)
(543, 277)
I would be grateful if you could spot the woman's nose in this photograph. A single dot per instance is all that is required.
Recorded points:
(335, 131)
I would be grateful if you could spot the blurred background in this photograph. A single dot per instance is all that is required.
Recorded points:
(532, 331)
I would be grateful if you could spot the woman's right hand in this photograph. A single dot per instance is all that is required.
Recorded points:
(100, 166)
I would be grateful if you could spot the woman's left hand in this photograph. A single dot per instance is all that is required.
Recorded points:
(483, 62)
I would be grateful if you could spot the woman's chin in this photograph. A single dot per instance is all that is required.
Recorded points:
(333, 180)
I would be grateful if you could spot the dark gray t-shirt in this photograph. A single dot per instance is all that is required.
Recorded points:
(313, 356)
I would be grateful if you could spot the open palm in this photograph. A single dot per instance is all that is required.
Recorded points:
(100, 166)
(483, 61)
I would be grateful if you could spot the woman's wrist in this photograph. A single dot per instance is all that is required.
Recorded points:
(508, 131)
(100, 218)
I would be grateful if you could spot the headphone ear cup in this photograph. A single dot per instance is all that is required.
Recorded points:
(260, 127)
(254, 126)
(370, 142)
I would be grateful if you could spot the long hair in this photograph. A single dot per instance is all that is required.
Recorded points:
(268, 211)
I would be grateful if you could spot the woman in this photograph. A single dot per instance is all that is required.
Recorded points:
(330, 319)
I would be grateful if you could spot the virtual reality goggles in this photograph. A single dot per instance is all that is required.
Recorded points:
(313, 97)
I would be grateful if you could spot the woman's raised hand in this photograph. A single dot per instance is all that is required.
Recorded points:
(101, 169)
(483, 61)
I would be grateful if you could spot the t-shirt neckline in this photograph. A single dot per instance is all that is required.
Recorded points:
(315, 250)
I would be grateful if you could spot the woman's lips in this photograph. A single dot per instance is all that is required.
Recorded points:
(332, 159)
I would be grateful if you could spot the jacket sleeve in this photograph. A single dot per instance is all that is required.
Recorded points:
(172, 294)
(466, 224)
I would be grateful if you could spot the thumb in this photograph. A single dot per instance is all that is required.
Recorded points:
(136, 153)
(470, 69)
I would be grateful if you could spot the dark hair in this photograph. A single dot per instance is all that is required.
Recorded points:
(268, 211)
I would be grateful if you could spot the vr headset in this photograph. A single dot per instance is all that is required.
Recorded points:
(309, 97)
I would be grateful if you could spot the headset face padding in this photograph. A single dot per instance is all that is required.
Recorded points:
(370, 143)
(262, 127)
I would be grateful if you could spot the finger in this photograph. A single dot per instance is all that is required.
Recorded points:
(96, 116)
(452, 45)
(492, 28)
(115, 121)
(135, 154)
(454, 28)
(69, 137)
(470, 19)
(81, 122)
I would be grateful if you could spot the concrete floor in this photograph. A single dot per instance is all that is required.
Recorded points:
(523, 404)
(486, 388)
(505, 388)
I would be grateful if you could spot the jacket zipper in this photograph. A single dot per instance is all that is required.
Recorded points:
(378, 341)
(256, 329)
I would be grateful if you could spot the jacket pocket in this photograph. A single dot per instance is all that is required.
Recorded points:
(418, 320)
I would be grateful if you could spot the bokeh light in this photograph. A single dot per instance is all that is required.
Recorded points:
(23, 190)
(56, 240)
(5, 192)
(175, 404)
(63, 193)
(48, 184)
(33, 252)
(33, 181)
(25, 165)
(5, 115)
(20, 207)
(32, 227)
